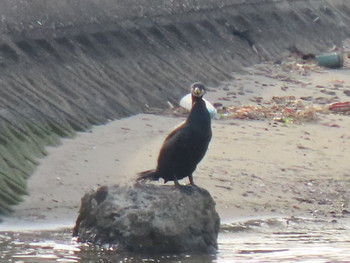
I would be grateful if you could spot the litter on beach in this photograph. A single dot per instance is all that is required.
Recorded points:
(340, 106)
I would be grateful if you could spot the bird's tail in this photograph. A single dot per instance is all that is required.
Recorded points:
(148, 175)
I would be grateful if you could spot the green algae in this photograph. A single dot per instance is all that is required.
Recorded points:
(20, 149)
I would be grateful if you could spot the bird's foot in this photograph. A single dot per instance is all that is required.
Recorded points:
(187, 189)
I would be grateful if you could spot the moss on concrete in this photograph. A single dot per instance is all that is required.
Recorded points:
(19, 153)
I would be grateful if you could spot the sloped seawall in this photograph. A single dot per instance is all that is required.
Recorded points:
(65, 65)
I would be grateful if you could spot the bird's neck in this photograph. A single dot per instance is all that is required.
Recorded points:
(199, 113)
(197, 103)
(195, 99)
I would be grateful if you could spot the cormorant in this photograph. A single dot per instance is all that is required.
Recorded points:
(186, 145)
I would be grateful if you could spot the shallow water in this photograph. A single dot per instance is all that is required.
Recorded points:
(260, 240)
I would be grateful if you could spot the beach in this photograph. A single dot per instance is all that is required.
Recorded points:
(253, 168)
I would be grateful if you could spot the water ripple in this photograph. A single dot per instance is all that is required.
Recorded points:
(258, 240)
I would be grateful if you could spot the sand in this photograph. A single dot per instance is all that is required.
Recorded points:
(253, 168)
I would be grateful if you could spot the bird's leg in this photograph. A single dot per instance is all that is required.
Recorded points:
(176, 181)
(190, 177)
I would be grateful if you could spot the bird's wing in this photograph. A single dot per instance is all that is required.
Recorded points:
(174, 145)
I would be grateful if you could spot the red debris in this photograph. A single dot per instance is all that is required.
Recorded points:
(340, 106)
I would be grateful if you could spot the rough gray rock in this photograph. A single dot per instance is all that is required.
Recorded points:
(149, 218)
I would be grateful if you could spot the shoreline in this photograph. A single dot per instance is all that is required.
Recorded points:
(252, 168)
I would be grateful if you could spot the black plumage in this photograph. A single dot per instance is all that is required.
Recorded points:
(186, 145)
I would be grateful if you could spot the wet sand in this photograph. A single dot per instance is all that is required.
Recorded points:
(253, 168)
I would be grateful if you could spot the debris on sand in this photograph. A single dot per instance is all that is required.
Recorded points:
(281, 109)
(245, 96)
(330, 60)
(340, 107)
(285, 109)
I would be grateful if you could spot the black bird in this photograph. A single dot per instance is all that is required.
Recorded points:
(186, 145)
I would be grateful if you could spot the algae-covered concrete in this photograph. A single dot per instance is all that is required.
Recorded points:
(66, 65)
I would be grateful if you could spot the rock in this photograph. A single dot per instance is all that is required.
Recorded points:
(149, 218)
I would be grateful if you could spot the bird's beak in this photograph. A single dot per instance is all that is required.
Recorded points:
(197, 91)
